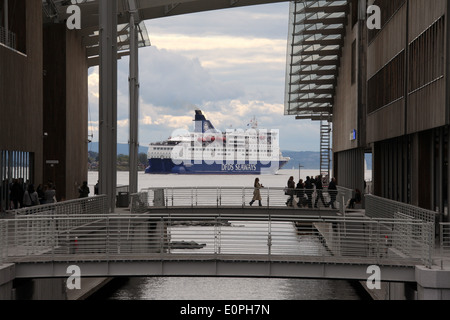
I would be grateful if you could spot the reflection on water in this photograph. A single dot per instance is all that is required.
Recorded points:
(233, 289)
(203, 288)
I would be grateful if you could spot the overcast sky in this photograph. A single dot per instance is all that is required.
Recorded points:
(229, 63)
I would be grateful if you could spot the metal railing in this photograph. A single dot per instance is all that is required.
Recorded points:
(83, 206)
(8, 38)
(444, 243)
(3, 241)
(377, 207)
(122, 188)
(142, 236)
(232, 196)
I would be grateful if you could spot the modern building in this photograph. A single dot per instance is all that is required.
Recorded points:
(44, 94)
(384, 87)
(44, 59)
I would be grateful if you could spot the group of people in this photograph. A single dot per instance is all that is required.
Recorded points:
(26, 195)
(304, 191)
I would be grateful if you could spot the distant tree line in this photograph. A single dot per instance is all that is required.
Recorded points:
(122, 161)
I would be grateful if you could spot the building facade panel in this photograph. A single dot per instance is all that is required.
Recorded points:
(77, 114)
(386, 123)
(21, 95)
(422, 14)
(346, 99)
(388, 42)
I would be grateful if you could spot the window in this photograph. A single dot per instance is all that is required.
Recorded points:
(13, 24)
(426, 56)
(354, 62)
(387, 85)
(14, 165)
(355, 8)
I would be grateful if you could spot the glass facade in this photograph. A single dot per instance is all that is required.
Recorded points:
(14, 165)
(316, 35)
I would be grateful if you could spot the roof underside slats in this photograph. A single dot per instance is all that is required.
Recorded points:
(55, 11)
(316, 37)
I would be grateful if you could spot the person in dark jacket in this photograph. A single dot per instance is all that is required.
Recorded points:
(319, 190)
(290, 191)
(84, 190)
(17, 193)
(355, 199)
(309, 191)
(300, 190)
(332, 191)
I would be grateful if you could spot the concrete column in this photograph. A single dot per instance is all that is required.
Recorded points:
(433, 284)
(7, 275)
(108, 101)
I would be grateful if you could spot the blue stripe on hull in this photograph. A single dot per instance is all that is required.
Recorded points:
(166, 166)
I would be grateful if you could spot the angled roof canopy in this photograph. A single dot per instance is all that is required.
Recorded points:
(55, 11)
(316, 35)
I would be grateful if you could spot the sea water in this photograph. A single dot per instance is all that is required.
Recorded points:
(203, 288)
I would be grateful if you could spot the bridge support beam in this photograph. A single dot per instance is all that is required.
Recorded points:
(433, 284)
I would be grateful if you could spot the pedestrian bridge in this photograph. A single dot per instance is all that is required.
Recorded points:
(149, 240)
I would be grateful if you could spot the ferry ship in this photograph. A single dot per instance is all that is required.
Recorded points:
(207, 150)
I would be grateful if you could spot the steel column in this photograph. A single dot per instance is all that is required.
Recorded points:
(108, 100)
(134, 100)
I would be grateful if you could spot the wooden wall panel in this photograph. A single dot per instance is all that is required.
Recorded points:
(346, 98)
(388, 43)
(66, 104)
(77, 114)
(55, 106)
(426, 107)
(422, 14)
(21, 95)
(386, 123)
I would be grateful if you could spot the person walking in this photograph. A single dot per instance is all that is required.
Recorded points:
(332, 191)
(300, 190)
(319, 190)
(257, 193)
(290, 191)
(309, 191)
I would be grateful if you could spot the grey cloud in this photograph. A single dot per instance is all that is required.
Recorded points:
(172, 80)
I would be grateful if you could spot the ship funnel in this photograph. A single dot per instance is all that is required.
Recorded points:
(201, 123)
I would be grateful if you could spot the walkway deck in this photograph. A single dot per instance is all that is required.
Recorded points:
(231, 241)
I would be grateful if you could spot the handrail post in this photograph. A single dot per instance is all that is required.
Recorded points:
(161, 237)
(269, 238)
(441, 244)
(218, 197)
(107, 237)
(196, 198)
(430, 244)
